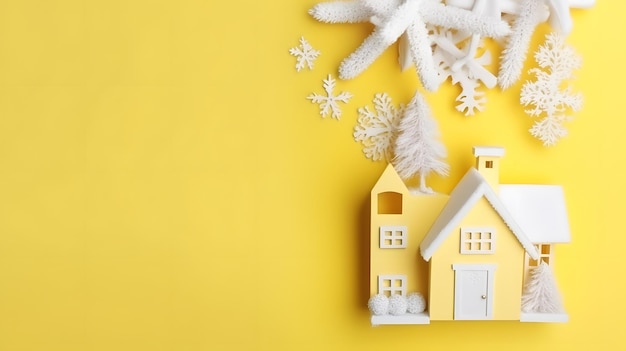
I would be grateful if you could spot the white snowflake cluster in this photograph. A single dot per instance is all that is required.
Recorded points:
(377, 129)
(444, 40)
(550, 101)
(381, 304)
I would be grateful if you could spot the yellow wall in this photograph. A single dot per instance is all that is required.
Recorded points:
(165, 184)
(419, 212)
(508, 257)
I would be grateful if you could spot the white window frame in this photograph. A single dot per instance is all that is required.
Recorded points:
(398, 233)
(477, 240)
(543, 257)
(392, 289)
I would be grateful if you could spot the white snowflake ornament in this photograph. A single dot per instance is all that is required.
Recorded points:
(464, 68)
(394, 19)
(377, 129)
(305, 53)
(329, 102)
(549, 100)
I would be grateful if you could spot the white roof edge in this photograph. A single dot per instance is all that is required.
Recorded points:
(496, 151)
(434, 237)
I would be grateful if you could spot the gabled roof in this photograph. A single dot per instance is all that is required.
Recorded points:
(539, 210)
(390, 181)
(470, 189)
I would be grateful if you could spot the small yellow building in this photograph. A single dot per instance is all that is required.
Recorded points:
(468, 253)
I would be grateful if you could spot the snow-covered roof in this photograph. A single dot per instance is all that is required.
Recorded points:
(539, 210)
(468, 191)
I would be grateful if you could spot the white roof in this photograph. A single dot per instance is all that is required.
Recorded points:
(470, 189)
(539, 210)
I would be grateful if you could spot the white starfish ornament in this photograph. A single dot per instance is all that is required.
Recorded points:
(529, 14)
(395, 18)
(557, 11)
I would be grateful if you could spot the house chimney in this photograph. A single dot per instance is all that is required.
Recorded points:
(488, 163)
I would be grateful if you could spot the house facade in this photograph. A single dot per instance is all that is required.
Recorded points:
(467, 253)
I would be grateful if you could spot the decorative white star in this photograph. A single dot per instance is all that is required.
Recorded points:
(557, 10)
(529, 14)
(394, 18)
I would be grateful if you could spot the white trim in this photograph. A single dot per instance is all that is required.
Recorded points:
(549, 256)
(458, 290)
(392, 289)
(467, 192)
(407, 318)
(544, 317)
(489, 151)
(480, 241)
(397, 232)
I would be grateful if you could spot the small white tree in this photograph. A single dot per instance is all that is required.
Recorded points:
(540, 293)
(418, 149)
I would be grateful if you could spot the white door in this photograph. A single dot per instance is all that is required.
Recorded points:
(473, 291)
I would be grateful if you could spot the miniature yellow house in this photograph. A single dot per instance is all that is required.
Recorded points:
(468, 253)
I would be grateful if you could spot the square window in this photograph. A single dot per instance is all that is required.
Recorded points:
(392, 284)
(393, 237)
(477, 241)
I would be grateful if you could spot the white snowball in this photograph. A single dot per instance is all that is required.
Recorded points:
(415, 302)
(397, 305)
(378, 304)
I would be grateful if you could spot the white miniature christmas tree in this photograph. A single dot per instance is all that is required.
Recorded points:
(540, 292)
(418, 149)
(550, 101)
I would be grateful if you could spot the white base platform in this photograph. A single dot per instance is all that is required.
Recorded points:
(407, 318)
(544, 317)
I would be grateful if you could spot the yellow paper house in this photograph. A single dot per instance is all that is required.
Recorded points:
(468, 253)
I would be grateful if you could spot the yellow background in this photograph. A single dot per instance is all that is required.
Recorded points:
(165, 185)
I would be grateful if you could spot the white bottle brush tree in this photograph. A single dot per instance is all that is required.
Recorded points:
(418, 151)
(540, 292)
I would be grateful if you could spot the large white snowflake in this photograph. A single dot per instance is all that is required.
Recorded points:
(377, 129)
(328, 103)
(305, 53)
(548, 99)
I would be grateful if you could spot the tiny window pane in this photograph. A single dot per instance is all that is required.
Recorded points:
(477, 240)
(393, 237)
(392, 284)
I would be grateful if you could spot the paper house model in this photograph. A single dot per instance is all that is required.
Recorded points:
(470, 254)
